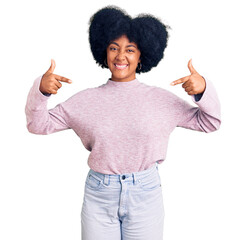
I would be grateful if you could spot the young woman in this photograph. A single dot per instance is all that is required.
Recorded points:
(125, 124)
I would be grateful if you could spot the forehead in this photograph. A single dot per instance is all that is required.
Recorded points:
(123, 40)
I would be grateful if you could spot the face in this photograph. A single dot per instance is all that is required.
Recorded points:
(122, 59)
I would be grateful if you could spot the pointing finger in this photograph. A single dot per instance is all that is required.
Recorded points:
(63, 79)
(181, 80)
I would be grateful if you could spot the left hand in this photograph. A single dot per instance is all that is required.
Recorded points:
(194, 83)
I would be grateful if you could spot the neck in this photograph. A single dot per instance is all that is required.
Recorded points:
(123, 84)
(124, 79)
(120, 80)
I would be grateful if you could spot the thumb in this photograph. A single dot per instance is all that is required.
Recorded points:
(190, 66)
(52, 66)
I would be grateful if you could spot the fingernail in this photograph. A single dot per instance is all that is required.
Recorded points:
(70, 81)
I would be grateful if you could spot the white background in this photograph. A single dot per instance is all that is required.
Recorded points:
(42, 177)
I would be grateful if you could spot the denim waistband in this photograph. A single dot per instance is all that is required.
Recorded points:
(125, 176)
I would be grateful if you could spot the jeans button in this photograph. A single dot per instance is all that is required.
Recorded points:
(123, 177)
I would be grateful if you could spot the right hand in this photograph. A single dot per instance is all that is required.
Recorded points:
(50, 83)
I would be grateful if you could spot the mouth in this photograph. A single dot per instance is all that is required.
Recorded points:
(120, 66)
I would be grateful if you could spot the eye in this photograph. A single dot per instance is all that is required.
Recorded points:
(130, 50)
(113, 48)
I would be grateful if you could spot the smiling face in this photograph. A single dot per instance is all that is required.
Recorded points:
(122, 59)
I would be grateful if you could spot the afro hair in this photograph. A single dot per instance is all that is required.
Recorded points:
(147, 31)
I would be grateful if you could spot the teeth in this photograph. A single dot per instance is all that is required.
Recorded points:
(121, 66)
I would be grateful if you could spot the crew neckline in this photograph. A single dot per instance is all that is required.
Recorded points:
(129, 84)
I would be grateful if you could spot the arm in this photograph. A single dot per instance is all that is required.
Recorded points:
(207, 116)
(40, 120)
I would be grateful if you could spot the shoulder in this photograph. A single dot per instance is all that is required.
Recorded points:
(82, 96)
(163, 94)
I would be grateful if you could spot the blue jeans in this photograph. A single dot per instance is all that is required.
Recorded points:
(123, 207)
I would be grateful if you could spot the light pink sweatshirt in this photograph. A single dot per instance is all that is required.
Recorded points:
(125, 125)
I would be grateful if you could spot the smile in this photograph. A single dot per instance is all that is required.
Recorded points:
(121, 66)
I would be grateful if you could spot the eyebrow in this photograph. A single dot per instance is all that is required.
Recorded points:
(119, 45)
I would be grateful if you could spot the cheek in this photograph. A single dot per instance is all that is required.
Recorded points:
(109, 61)
(134, 62)
(135, 59)
(110, 57)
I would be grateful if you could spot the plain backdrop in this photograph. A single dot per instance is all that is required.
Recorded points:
(42, 177)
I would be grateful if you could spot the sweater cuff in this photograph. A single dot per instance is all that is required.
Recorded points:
(38, 94)
(197, 97)
(209, 101)
(47, 94)
(36, 100)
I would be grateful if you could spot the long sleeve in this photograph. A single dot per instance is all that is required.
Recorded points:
(40, 120)
(207, 116)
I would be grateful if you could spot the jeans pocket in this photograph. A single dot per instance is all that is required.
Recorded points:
(93, 182)
(151, 182)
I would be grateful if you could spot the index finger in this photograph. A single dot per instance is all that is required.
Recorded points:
(63, 79)
(181, 80)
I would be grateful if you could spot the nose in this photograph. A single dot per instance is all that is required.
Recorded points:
(120, 56)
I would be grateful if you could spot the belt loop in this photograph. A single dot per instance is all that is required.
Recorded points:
(134, 178)
(106, 179)
(157, 165)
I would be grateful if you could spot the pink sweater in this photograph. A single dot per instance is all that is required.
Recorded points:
(124, 125)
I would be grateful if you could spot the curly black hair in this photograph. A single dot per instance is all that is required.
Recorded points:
(147, 31)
